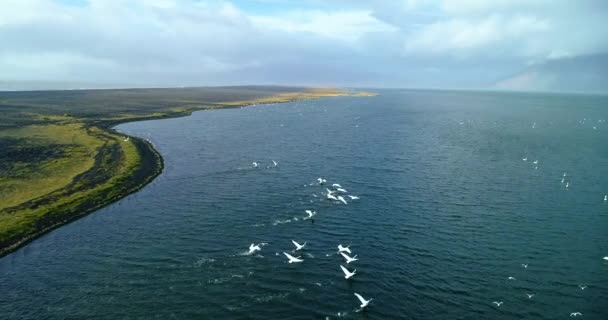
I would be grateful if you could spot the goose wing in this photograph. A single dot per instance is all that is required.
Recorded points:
(360, 298)
(346, 272)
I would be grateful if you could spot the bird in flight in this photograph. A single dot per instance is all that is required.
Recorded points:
(347, 274)
(348, 258)
(311, 213)
(341, 198)
(298, 246)
(498, 304)
(292, 259)
(364, 302)
(343, 249)
(576, 314)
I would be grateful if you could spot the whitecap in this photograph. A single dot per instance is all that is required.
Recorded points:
(277, 222)
(203, 261)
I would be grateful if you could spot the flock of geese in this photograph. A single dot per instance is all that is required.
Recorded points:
(525, 266)
(337, 195)
(564, 176)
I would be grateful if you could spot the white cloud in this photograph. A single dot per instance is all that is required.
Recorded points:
(342, 42)
(346, 25)
(458, 36)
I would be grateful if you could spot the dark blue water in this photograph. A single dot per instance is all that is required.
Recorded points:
(447, 212)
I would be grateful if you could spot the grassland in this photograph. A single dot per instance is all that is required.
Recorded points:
(60, 158)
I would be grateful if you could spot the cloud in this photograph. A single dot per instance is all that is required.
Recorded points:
(459, 36)
(419, 43)
(342, 26)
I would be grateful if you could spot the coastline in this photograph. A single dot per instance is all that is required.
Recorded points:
(150, 166)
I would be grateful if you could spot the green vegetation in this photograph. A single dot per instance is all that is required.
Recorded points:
(60, 158)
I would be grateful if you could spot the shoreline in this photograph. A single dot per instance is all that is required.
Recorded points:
(151, 165)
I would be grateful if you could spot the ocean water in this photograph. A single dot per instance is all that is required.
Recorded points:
(447, 212)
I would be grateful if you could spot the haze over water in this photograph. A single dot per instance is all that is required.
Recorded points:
(447, 212)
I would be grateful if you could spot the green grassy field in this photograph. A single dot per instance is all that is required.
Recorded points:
(60, 158)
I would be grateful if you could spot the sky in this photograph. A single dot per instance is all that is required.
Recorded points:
(528, 45)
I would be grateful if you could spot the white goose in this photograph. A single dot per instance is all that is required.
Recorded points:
(253, 248)
(310, 213)
(347, 274)
(292, 259)
(348, 258)
(298, 246)
(364, 302)
(343, 249)
(330, 195)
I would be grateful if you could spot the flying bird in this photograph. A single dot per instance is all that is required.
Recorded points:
(310, 214)
(347, 274)
(298, 246)
(582, 287)
(535, 162)
(530, 295)
(364, 302)
(330, 195)
(498, 304)
(511, 278)
(254, 164)
(576, 314)
(353, 197)
(343, 249)
(341, 198)
(348, 258)
(253, 248)
(292, 259)
(274, 163)
(341, 190)
(525, 265)
(335, 185)
(321, 180)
